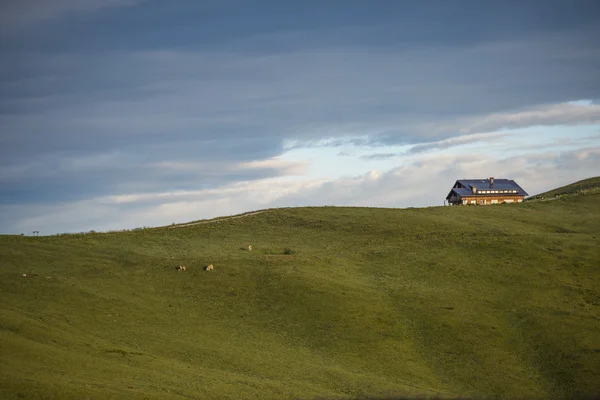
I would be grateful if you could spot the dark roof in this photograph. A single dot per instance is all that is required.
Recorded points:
(461, 192)
(485, 184)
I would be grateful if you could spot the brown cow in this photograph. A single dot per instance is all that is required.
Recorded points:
(181, 268)
(209, 267)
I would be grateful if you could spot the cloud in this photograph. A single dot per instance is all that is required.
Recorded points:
(456, 141)
(425, 179)
(100, 104)
(378, 156)
(117, 100)
(15, 14)
(285, 167)
(110, 174)
(566, 114)
(178, 107)
(422, 180)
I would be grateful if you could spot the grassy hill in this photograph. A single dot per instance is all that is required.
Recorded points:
(472, 302)
(581, 187)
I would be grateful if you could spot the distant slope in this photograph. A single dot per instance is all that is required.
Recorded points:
(470, 302)
(573, 188)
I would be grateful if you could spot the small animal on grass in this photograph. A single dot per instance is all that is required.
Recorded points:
(249, 247)
(209, 267)
(181, 268)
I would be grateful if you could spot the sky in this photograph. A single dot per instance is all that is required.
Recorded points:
(117, 114)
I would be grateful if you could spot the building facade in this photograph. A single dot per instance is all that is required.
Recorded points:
(485, 191)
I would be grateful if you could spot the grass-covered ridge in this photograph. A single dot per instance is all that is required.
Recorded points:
(581, 187)
(474, 302)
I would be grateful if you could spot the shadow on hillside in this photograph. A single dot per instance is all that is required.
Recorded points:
(399, 398)
(595, 397)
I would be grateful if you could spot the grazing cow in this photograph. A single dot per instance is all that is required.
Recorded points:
(249, 247)
(181, 268)
(209, 267)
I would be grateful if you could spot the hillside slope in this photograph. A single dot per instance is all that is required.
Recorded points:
(580, 187)
(500, 301)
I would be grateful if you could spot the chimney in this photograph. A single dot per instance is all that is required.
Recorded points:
(491, 182)
(474, 188)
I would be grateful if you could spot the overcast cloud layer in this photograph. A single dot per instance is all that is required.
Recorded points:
(126, 113)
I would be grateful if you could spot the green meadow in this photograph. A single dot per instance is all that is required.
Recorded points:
(332, 302)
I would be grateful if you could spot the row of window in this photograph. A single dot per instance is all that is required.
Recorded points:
(490, 202)
(498, 191)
